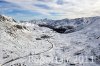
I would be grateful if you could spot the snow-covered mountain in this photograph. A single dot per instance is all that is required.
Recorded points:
(6, 18)
(65, 25)
(27, 44)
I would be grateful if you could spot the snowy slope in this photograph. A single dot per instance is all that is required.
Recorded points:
(19, 41)
(26, 44)
(65, 25)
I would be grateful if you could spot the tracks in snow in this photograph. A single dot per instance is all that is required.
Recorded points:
(12, 60)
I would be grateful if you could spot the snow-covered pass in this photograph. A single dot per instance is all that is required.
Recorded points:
(42, 44)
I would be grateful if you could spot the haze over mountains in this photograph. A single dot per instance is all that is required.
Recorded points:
(50, 42)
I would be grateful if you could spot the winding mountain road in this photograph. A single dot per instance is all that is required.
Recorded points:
(12, 60)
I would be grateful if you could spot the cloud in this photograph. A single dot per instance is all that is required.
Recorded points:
(62, 8)
(7, 7)
(45, 0)
(42, 6)
(60, 2)
(5, 4)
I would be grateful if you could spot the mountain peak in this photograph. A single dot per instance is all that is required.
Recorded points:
(6, 18)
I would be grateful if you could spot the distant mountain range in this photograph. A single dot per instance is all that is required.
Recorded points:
(64, 25)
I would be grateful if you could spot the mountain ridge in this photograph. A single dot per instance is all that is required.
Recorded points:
(27, 44)
(65, 25)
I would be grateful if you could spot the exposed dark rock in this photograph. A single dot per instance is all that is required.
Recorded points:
(4, 57)
(78, 53)
(59, 30)
(72, 64)
(18, 26)
(45, 36)
(66, 29)
(38, 38)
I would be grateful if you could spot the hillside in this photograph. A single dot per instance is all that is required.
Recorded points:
(27, 44)
(65, 25)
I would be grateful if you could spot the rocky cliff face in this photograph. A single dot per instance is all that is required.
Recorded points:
(26, 44)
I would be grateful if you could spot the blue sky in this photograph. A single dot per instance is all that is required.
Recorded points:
(52, 9)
